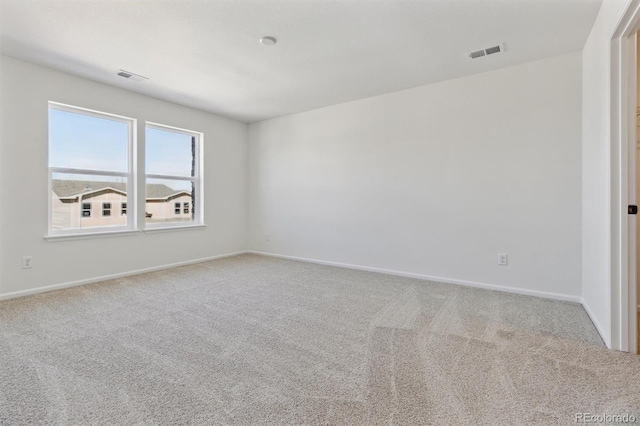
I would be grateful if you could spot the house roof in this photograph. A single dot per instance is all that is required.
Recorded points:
(73, 188)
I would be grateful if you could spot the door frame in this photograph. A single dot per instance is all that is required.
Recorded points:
(623, 180)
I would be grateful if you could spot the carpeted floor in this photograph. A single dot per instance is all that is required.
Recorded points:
(255, 340)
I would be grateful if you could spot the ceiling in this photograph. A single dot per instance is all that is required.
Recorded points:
(205, 53)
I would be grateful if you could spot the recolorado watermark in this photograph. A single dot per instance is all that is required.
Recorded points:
(605, 418)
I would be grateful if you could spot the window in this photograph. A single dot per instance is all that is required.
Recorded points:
(173, 175)
(90, 157)
(91, 161)
(86, 209)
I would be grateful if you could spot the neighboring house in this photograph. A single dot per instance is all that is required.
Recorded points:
(84, 204)
(164, 204)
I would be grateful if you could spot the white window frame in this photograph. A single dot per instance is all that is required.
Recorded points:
(130, 174)
(198, 212)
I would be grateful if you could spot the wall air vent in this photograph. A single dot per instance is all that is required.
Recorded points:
(486, 51)
(131, 76)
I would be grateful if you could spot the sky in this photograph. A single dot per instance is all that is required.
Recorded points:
(87, 142)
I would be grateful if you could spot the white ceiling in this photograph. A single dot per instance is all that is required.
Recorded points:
(205, 53)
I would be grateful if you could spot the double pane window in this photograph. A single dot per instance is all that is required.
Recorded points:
(91, 173)
(89, 162)
(173, 176)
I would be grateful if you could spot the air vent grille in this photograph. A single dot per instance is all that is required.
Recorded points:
(131, 76)
(486, 51)
(492, 50)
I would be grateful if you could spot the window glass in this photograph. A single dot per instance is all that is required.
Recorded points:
(169, 153)
(73, 197)
(173, 179)
(164, 201)
(88, 166)
(80, 141)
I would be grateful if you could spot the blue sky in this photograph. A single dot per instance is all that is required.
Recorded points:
(87, 142)
(168, 153)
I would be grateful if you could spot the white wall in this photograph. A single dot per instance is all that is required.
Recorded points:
(435, 180)
(596, 181)
(25, 89)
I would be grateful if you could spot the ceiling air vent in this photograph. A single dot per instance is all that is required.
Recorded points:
(476, 54)
(131, 76)
(487, 51)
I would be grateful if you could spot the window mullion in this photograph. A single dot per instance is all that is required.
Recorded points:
(170, 177)
(92, 172)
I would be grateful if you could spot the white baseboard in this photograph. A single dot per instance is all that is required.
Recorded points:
(113, 276)
(604, 336)
(527, 292)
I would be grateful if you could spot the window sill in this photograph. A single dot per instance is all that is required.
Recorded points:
(88, 235)
(174, 228)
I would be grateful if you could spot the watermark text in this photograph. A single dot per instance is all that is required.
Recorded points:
(605, 418)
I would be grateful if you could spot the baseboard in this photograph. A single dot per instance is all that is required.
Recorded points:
(113, 276)
(526, 292)
(604, 336)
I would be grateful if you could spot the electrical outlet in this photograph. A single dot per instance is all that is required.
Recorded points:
(27, 262)
(268, 237)
(502, 259)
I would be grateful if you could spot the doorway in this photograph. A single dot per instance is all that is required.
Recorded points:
(629, 133)
(624, 189)
(630, 147)
(636, 172)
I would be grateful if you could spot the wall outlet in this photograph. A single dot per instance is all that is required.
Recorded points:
(268, 237)
(27, 262)
(502, 259)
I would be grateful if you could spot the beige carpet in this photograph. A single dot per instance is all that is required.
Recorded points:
(255, 340)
